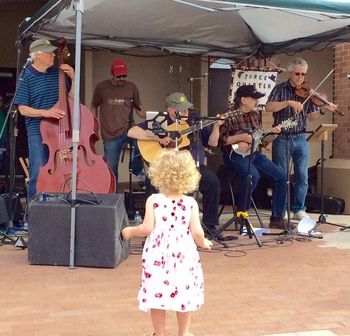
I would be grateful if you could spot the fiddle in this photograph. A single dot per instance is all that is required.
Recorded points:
(320, 99)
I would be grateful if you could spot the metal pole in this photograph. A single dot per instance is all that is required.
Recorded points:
(79, 6)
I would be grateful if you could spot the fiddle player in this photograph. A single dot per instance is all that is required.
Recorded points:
(37, 94)
(284, 103)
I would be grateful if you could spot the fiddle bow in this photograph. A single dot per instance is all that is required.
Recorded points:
(316, 97)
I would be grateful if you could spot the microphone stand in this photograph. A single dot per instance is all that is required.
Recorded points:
(131, 142)
(191, 80)
(13, 115)
(130, 208)
(198, 125)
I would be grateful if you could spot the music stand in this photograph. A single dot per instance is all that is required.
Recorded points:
(322, 134)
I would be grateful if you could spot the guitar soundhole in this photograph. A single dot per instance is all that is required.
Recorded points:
(172, 144)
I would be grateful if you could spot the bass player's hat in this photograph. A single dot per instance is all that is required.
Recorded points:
(41, 45)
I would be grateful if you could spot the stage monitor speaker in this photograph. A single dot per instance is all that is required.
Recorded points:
(4, 216)
(98, 241)
(16, 208)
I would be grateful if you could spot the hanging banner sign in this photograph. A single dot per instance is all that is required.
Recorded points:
(264, 82)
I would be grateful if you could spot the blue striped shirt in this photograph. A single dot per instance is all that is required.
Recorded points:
(282, 92)
(38, 90)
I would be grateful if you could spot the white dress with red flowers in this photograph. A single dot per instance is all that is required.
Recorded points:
(172, 277)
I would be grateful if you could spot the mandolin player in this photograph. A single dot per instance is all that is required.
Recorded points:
(240, 131)
(179, 109)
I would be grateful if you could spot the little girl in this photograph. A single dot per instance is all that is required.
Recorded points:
(172, 277)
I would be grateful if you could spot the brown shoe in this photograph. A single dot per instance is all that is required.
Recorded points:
(280, 223)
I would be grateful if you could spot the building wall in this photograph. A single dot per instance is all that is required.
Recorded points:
(342, 97)
(12, 14)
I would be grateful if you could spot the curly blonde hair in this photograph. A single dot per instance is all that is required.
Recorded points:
(174, 171)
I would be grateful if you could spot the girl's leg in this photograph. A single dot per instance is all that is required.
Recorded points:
(158, 321)
(184, 321)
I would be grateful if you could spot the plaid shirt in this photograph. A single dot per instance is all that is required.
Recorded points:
(246, 121)
(283, 92)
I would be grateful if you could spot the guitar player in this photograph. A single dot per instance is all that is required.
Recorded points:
(178, 107)
(246, 100)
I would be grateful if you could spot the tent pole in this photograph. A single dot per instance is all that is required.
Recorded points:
(79, 6)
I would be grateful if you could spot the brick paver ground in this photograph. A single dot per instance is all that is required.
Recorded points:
(300, 286)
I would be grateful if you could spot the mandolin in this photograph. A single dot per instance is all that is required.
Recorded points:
(258, 136)
(179, 132)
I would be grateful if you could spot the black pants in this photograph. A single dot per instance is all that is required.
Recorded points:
(209, 186)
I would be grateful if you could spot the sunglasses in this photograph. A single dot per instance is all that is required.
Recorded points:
(121, 76)
(300, 74)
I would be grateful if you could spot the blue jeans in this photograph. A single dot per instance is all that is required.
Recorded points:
(299, 152)
(261, 166)
(113, 149)
(38, 156)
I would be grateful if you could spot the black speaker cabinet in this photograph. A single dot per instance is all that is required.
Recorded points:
(4, 216)
(98, 241)
(16, 208)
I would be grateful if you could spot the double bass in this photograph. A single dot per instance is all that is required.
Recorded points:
(93, 173)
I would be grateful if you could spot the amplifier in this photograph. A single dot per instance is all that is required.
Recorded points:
(98, 241)
(16, 208)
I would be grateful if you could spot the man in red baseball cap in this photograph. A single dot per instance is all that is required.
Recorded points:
(115, 100)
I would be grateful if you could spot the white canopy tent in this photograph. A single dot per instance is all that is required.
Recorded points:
(190, 27)
(198, 27)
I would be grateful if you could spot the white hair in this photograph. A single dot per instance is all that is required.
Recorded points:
(32, 55)
(297, 62)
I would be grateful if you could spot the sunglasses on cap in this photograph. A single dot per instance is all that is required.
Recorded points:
(300, 74)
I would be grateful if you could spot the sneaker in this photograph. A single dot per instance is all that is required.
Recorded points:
(299, 215)
(280, 223)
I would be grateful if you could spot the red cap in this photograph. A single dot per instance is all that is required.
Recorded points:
(119, 67)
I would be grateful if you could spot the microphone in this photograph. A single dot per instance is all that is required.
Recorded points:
(28, 62)
(178, 115)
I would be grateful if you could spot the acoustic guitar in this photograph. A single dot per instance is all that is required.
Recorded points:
(178, 132)
(259, 134)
